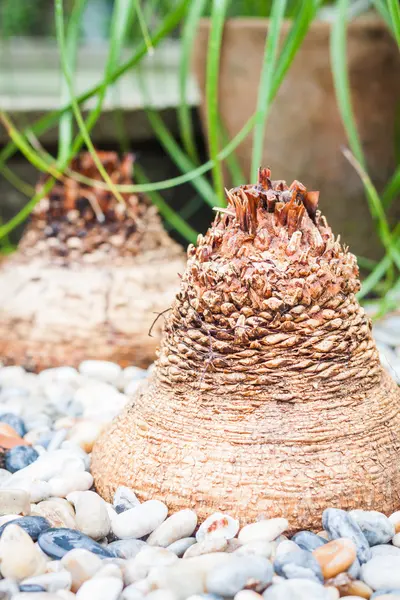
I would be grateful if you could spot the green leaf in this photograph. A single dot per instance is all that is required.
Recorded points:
(184, 110)
(72, 43)
(266, 79)
(218, 12)
(394, 11)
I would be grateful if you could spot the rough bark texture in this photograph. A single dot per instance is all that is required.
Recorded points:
(80, 288)
(268, 396)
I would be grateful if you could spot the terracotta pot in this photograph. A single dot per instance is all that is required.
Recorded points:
(304, 134)
(78, 289)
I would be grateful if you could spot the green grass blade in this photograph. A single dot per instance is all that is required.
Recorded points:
(143, 26)
(394, 10)
(172, 217)
(341, 79)
(72, 44)
(59, 17)
(382, 9)
(17, 182)
(184, 110)
(264, 88)
(392, 189)
(172, 19)
(218, 13)
(235, 170)
(376, 209)
(179, 157)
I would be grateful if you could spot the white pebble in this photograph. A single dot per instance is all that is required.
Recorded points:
(161, 595)
(102, 370)
(396, 540)
(382, 572)
(59, 375)
(218, 525)
(91, 514)
(149, 557)
(247, 595)
(286, 546)
(103, 588)
(109, 570)
(4, 476)
(58, 463)
(14, 501)
(131, 593)
(56, 513)
(267, 530)
(51, 582)
(7, 518)
(18, 554)
(82, 565)
(258, 547)
(85, 432)
(395, 519)
(179, 525)
(139, 521)
(206, 547)
(62, 486)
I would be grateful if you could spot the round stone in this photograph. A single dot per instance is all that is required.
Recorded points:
(217, 525)
(126, 548)
(207, 546)
(16, 423)
(57, 514)
(102, 370)
(231, 577)
(179, 525)
(180, 546)
(33, 526)
(335, 557)
(258, 547)
(298, 564)
(139, 521)
(14, 501)
(91, 514)
(382, 572)
(307, 540)
(376, 527)
(266, 530)
(19, 556)
(82, 565)
(339, 524)
(57, 542)
(101, 588)
(385, 550)
(19, 457)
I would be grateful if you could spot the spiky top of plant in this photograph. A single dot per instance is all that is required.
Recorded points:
(77, 219)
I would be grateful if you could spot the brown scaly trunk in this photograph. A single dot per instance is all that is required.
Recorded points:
(268, 396)
(78, 288)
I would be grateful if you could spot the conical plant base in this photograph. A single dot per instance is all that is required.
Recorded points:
(77, 288)
(268, 397)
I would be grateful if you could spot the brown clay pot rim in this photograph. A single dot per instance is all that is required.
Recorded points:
(364, 21)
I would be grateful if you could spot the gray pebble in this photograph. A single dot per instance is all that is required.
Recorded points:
(297, 589)
(229, 578)
(382, 572)
(355, 569)
(299, 564)
(375, 526)
(126, 548)
(307, 540)
(338, 523)
(180, 546)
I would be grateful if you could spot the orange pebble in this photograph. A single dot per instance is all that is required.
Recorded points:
(336, 556)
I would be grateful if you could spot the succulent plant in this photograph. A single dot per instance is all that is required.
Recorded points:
(88, 275)
(268, 396)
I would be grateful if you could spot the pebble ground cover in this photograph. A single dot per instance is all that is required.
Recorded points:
(60, 539)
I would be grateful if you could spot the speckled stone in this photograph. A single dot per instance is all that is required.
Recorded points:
(339, 524)
(234, 575)
(217, 525)
(19, 457)
(376, 527)
(298, 564)
(57, 542)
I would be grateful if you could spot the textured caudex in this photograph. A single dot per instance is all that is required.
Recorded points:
(88, 276)
(268, 397)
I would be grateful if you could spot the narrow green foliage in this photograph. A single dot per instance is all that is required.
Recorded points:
(394, 10)
(184, 111)
(264, 88)
(218, 13)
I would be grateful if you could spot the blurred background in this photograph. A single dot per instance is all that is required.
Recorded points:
(203, 92)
